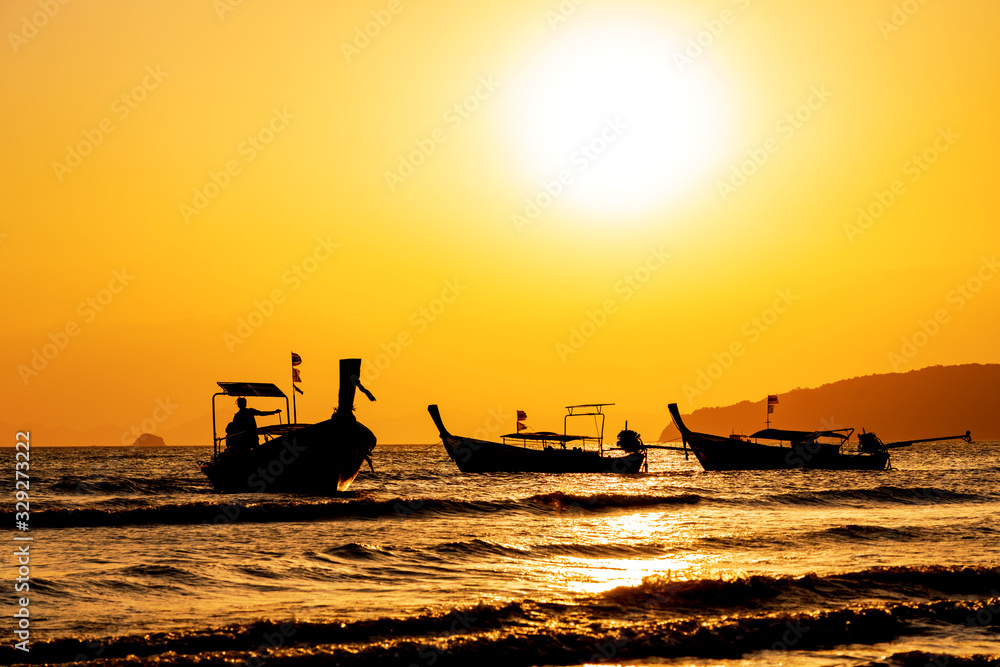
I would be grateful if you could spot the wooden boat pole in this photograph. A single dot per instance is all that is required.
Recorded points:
(350, 379)
(967, 437)
(350, 370)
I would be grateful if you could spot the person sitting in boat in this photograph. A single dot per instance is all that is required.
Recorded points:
(242, 431)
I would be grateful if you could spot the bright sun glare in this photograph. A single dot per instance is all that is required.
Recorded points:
(607, 104)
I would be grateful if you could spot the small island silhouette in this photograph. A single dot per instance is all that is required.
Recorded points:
(149, 440)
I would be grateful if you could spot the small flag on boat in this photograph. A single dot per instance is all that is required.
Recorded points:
(772, 399)
(521, 415)
(520, 427)
(770, 409)
(296, 360)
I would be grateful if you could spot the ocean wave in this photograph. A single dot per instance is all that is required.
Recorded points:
(874, 533)
(354, 551)
(882, 494)
(120, 486)
(925, 659)
(294, 510)
(151, 570)
(479, 547)
(527, 633)
(242, 512)
(882, 583)
(745, 541)
(353, 505)
(882, 534)
(601, 501)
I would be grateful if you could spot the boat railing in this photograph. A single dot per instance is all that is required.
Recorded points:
(242, 389)
(551, 438)
(544, 438)
(594, 410)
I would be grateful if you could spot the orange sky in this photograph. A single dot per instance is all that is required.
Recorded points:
(521, 206)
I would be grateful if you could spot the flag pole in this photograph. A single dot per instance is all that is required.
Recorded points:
(772, 400)
(296, 360)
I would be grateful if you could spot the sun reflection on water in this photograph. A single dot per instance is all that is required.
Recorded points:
(597, 574)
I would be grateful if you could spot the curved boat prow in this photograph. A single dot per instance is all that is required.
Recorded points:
(678, 422)
(436, 416)
(675, 414)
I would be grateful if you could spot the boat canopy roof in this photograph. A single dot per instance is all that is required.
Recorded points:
(799, 436)
(544, 435)
(596, 408)
(266, 389)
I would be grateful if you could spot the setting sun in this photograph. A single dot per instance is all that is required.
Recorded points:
(603, 110)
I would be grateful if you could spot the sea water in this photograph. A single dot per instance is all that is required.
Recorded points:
(135, 560)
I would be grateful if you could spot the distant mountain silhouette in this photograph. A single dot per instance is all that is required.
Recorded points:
(149, 440)
(930, 402)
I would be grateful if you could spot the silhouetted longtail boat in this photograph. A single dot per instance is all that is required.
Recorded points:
(320, 458)
(544, 451)
(819, 450)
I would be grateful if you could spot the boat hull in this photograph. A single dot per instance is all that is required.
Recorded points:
(478, 456)
(718, 453)
(322, 459)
